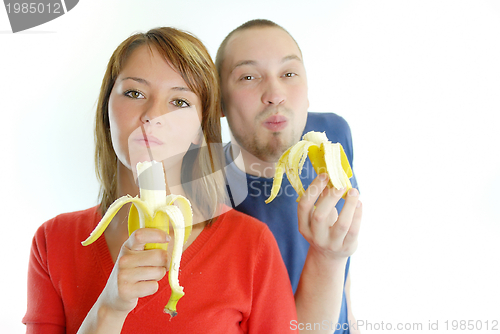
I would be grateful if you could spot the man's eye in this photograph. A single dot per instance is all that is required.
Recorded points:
(179, 103)
(289, 75)
(248, 78)
(134, 94)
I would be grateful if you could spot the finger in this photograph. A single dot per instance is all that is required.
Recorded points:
(306, 203)
(139, 274)
(352, 236)
(325, 214)
(130, 289)
(143, 236)
(144, 258)
(146, 288)
(329, 199)
(343, 223)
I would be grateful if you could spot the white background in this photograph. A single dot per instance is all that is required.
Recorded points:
(418, 81)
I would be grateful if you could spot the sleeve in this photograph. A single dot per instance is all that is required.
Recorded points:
(45, 312)
(273, 304)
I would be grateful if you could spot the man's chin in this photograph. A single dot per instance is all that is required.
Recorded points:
(268, 151)
(273, 151)
(269, 158)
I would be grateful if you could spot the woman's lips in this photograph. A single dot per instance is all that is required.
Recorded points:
(275, 123)
(148, 141)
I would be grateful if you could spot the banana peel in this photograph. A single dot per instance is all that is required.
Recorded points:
(326, 157)
(154, 209)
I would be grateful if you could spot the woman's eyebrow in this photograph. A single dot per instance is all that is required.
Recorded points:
(181, 89)
(140, 80)
(143, 81)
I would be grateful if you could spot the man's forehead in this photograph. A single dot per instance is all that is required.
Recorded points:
(247, 46)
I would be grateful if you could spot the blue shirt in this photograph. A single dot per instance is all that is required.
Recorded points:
(281, 214)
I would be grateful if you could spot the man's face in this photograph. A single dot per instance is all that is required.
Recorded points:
(264, 89)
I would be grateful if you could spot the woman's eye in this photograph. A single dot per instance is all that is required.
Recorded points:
(134, 94)
(179, 103)
(289, 75)
(247, 78)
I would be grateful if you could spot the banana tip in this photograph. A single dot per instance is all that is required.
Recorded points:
(172, 313)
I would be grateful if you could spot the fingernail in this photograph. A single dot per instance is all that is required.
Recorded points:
(323, 177)
(353, 192)
(358, 204)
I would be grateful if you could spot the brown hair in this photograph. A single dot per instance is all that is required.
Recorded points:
(190, 58)
(257, 23)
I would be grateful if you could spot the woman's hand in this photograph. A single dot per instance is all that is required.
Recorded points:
(136, 274)
(137, 271)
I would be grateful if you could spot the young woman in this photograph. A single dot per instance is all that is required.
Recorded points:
(159, 99)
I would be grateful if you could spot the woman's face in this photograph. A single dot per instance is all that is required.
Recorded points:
(153, 114)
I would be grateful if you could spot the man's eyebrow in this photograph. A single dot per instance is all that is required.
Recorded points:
(253, 62)
(243, 63)
(140, 80)
(290, 57)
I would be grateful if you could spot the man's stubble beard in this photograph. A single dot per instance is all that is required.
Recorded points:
(271, 150)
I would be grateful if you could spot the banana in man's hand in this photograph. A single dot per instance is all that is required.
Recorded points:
(154, 209)
(326, 157)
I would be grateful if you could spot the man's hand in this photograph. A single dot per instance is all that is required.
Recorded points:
(330, 234)
(333, 237)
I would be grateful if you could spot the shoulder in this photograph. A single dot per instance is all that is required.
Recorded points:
(245, 228)
(57, 242)
(326, 122)
(241, 221)
(335, 127)
(70, 224)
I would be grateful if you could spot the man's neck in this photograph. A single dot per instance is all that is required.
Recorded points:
(250, 164)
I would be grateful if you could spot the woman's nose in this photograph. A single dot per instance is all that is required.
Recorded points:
(153, 113)
(146, 119)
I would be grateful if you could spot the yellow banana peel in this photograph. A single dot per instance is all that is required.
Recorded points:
(326, 157)
(154, 209)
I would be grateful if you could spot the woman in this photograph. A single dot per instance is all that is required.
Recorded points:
(159, 97)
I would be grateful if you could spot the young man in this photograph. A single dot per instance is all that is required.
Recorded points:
(264, 94)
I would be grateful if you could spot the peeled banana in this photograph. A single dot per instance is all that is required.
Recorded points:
(326, 157)
(154, 209)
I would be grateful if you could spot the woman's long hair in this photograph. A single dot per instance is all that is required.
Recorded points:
(203, 164)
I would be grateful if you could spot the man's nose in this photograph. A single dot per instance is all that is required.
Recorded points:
(274, 92)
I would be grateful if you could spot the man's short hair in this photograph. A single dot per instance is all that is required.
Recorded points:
(257, 23)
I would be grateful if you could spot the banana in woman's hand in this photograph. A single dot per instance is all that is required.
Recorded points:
(154, 209)
(326, 157)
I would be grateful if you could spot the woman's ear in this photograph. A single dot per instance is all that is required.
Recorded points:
(199, 138)
(222, 109)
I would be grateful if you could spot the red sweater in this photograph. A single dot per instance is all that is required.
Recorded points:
(233, 276)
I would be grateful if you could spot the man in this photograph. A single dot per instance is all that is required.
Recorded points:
(264, 94)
